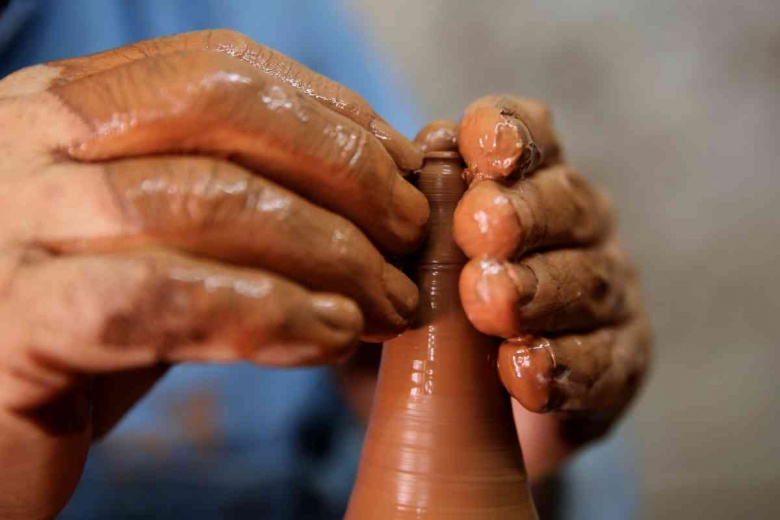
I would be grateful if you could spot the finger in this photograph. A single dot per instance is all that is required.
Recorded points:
(440, 135)
(555, 207)
(501, 136)
(211, 103)
(27, 81)
(241, 48)
(596, 372)
(217, 210)
(66, 316)
(568, 289)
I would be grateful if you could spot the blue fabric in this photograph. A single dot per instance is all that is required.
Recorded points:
(241, 441)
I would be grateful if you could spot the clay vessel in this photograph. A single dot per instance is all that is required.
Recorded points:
(441, 442)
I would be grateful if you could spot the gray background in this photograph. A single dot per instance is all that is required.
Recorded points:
(673, 107)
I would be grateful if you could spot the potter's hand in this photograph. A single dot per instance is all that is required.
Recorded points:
(197, 197)
(548, 274)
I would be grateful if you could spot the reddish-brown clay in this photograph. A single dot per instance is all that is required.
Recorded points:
(598, 371)
(441, 442)
(502, 136)
(325, 91)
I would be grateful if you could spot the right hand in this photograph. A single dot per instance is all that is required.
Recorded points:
(191, 198)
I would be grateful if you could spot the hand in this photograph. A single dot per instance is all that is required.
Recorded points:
(548, 274)
(192, 198)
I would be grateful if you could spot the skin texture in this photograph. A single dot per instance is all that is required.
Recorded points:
(547, 273)
(193, 198)
(330, 94)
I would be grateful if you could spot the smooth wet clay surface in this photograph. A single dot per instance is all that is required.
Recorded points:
(441, 441)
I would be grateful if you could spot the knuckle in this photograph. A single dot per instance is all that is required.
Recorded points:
(575, 183)
(347, 248)
(218, 73)
(213, 193)
(587, 198)
(580, 197)
(156, 311)
(148, 47)
(237, 45)
(281, 207)
(282, 322)
(128, 318)
(209, 81)
(192, 193)
(541, 109)
(127, 194)
(217, 39)
(281, 99)
(353, 145)
(349, 101)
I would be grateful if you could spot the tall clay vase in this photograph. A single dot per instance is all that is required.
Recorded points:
(441, 442)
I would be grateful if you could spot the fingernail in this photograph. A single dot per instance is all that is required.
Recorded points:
(402, 293)
(526, 366)
(338, 313)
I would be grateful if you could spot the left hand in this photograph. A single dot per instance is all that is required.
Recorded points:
(191, 198)
(548, 274)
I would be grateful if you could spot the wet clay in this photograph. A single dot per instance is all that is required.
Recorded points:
(330, 94)
(553, 208)
(285, 136)
(441, 442)
(576, 372)
(321, 200)
(503, 136)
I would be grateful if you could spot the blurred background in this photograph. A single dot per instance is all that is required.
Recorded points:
(674, 108)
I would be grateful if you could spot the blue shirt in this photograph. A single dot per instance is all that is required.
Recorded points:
(243, 441)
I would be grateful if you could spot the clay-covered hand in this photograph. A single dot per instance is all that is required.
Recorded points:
(191, 198)
(546, 273)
